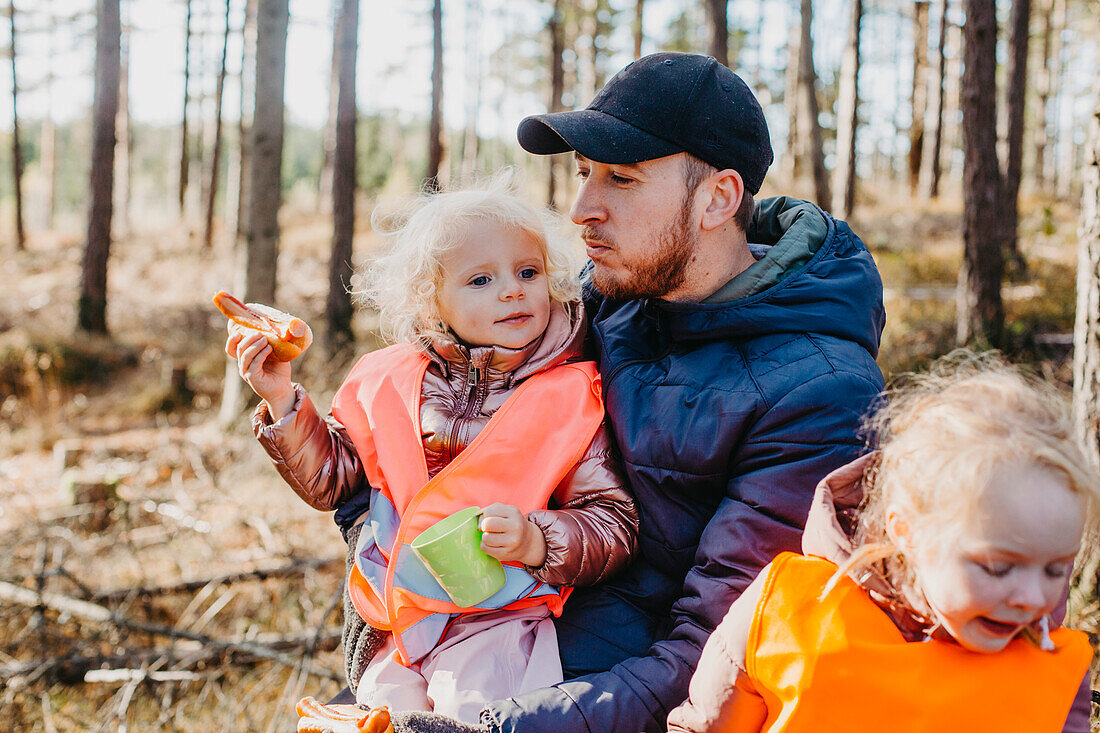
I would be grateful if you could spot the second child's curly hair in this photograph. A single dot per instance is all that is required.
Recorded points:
(943, 436)
(402, 283)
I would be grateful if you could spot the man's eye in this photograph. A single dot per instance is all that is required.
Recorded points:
(621, 179)
(581, 173)
(480, 281)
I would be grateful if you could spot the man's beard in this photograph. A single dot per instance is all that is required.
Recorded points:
(660, 271)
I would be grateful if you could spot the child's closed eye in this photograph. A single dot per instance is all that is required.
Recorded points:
(996, 569)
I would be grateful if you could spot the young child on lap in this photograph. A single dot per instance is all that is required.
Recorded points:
(946, 571)
(484, 401)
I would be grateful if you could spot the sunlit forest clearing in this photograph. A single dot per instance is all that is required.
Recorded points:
(161, 576)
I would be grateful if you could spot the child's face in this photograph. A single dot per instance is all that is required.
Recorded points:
(1009, 563)
(494, 290)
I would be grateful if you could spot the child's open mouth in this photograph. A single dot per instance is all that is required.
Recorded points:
(998, 628)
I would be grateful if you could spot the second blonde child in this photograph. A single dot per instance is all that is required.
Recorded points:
(933, 579)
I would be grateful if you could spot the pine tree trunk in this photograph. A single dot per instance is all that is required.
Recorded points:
(980, 310)
(556, 31)
(1043, 90)
(795, 146)
(243, 189)
(1086, 334)
(16, 145)
(470, 140)
(1058, 67)
(938, 99)
(919, 97)
(810, 129)
(844, 187)
(267, 152)
(717, 14)
(339, 310)
(1016, 95)
(435, 127)
(263, 176)
(185, 136)
(92, 305)
(328, 139)
(125, 139)
(215, 158)
(638, 28)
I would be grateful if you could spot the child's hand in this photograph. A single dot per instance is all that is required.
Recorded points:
(268, 378)
(510, 536)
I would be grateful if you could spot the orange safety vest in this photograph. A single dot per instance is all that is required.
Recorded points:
(528, 446)
(840, 664)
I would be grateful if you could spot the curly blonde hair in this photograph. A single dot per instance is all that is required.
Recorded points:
(942, 437)
(402, 283)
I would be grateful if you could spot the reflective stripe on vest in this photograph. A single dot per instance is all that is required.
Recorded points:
(840, 664)
(527, 447)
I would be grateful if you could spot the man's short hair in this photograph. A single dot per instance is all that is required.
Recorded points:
(695, 170)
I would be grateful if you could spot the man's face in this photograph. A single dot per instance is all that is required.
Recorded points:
(637, 225)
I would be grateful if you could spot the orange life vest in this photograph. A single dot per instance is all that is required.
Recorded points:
(840, 664)
(528, 446)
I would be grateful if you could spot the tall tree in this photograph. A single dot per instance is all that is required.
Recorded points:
(264, 177)
(328, 138)
(185, 136)
(844, 186)
(240, 190)
(638, 28)
(435, 126)
(338, 307)
(919, 96)
(556, 31)
(1046, 11)
(470, 140)
(1057, 73)
(267, 152)
(16, 146)
(1086, 334)
(91, 312)
(215, 157)
(980, 310)
(717, 14)
(791, 95)
(125, 137)
(809, 126)
(940, 86)
(1016, 93)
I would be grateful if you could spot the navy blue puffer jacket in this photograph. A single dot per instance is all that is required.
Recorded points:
(727, 415)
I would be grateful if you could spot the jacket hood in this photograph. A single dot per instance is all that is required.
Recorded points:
(816, 276)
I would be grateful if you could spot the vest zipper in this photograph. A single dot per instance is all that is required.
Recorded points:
(474, 380)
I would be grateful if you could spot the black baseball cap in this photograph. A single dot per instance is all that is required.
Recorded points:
(659, 105)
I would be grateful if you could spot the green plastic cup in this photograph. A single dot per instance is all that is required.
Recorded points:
(451, 551)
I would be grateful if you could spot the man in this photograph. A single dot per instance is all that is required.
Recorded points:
(737, 346)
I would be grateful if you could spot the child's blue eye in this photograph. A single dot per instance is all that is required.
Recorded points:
(480, 281)
(528, 273)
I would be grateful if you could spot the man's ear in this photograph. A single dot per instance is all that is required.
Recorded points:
(725, 189)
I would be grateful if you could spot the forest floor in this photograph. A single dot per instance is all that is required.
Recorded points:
(160, 576)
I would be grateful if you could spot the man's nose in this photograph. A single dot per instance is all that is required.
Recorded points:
(587, 208)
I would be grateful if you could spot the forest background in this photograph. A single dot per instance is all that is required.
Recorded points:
(159, 575)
